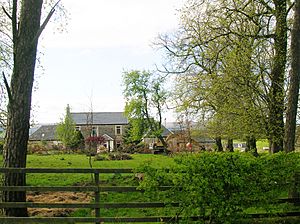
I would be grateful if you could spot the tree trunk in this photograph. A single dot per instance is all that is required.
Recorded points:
(20, 91)
(276, 101)
(219, 147)
(251, 145)
(163, 142)
(293, 94)
(229, 146)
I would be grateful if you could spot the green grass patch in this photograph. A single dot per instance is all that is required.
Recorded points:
(82, 161)
(262, 143)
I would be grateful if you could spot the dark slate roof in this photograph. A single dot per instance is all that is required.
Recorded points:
(178, 127)
(99, 118)
(166, 132)
(45, 132)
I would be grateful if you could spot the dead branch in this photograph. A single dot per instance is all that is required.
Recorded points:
(44, 24)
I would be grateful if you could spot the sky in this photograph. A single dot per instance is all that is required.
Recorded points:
(83, 65)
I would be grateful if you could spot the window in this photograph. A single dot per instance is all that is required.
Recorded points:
(77, 128)
(118, 130)
(94, 131)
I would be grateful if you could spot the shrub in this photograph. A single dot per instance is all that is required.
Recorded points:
(128, 148)
(143, 150)
(135, 148)
(221, 186)
(77, 141)
(36, 148)
(119, 156)
(99, 157)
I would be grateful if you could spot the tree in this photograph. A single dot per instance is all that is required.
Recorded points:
(135, 131)
(236, 50)
(277, 78)
(145, 98)
(94, 142)
(293, 93)
(26, 30)
(65, 130)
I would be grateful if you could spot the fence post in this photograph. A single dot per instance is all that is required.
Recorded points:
(97, 196)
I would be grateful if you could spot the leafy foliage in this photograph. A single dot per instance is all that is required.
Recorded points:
(231, 63)
(66, 132)
(78, 140)
(221, 186)
(95, 140)
(145, 98)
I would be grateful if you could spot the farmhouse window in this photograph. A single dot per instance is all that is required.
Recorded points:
(94, 131)
(118, 130)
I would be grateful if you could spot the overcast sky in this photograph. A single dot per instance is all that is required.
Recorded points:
(103, 38)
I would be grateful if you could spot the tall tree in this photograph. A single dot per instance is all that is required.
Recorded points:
(293, 93)
(237, 49)
(26, 30)
(145, 98)
(276, 102)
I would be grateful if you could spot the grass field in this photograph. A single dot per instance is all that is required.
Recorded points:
(82, 161)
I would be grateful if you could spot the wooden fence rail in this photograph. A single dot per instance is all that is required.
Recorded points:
(96, 188)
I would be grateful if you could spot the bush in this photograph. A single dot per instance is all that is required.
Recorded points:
(99, 158)
(221, 186)
(128, 148)
(36, 148)
(119, 156)
(143, 150)
(77, 141)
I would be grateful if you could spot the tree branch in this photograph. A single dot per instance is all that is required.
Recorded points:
(14, 21)
(290, 8)
(6, 13)
(7, 87)
(42, 27)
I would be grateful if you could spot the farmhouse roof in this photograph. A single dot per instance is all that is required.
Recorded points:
(107, 137)
(180, 126)
(45, 132)
(99, 118)
(166, 131)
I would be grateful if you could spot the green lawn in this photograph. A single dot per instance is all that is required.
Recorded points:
(82, 161)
